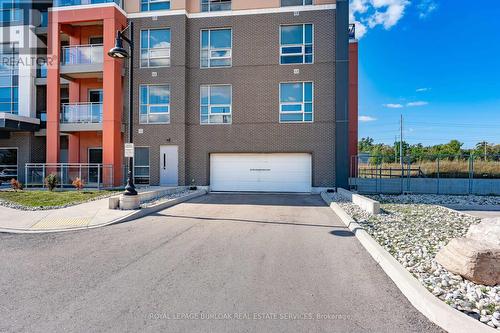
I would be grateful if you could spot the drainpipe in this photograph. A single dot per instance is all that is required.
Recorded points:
(342, 94)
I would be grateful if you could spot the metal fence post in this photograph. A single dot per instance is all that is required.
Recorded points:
(98, 177)
(409, 174)
(438, 158)
(471, 172)
(62, 175)
(43, 176)
(26, 174)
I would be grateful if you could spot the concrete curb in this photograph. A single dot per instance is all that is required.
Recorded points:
(434, 309)
(136, 214)
(369, 205)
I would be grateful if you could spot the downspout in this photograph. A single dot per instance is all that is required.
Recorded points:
(341, 145)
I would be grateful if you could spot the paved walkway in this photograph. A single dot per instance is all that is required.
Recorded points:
(86, 215)
(217, 263)
(481, 211)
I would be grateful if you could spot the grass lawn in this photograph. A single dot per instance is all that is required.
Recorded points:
(49, 199)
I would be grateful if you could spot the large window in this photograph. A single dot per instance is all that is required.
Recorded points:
(296, 44)
(148, 5)
(215, 5)
(10, 11)
(215, 104)
(141, 165)
(216, 48)
(155, 48)
(8, 163)
(155, 104)
(9, 77)
(296, 102)
(285, 3)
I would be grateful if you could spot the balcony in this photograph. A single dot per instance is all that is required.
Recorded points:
(65, 3)
(82, 61)
(81, 117)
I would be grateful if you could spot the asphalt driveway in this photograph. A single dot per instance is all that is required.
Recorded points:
(219, 263)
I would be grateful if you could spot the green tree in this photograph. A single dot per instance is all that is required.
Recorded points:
(365, 145)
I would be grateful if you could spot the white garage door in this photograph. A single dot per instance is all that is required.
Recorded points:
(260, 172)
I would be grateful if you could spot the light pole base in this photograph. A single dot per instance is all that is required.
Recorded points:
(130, 202)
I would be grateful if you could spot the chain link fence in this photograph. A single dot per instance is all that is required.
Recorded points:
(436, 174)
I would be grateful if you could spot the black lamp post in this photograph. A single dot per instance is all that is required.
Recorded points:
(119, 52)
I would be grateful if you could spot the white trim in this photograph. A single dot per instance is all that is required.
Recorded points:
(288, 9)
(153, 13)
(91, 6)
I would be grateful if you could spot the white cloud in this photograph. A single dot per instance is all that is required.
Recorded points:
(423, 89)
(393, 106)
(426, 7)
(365, 119)
(418, 103)
(371, 13)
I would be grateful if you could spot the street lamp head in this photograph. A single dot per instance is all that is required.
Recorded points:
(118, 51)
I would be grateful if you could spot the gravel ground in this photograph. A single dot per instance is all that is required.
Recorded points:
(464, 200)
(413, 229)
(165, 198)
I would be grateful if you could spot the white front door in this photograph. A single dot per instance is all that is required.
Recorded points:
(169, 165)
(261, 172)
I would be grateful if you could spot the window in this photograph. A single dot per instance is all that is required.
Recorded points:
(155, 48)
(9, 79)
(149, 5)
(215, 104)
(296, 102)
(141, 165)
(215, 5)
(155, 104)
(296, 44)
(8, 163)
(216, 48)
(10, 11)
(285, 3)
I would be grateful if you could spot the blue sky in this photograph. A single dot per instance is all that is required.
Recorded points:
(437, 62)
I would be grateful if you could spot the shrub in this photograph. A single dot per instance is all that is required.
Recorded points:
(78, 183)
(16, 185)
(51, 181)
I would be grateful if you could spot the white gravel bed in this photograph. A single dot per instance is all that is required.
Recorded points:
(164, 198)
(413, 232)
(464, 200)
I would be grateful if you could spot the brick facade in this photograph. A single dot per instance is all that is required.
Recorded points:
(255, 77)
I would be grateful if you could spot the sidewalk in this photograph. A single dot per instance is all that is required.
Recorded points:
(481, 211)
(82, 216)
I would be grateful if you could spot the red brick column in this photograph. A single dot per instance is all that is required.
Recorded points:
(112, 147)
(53, 89)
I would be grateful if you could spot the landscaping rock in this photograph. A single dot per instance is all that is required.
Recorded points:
(488, 231)
(413, 229)
(474, 260)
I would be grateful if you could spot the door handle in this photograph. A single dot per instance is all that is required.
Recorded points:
(164, 161)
